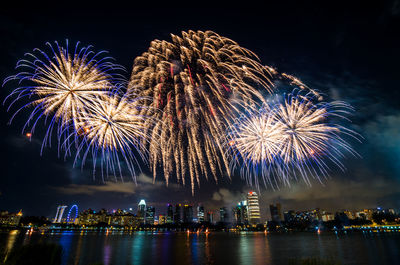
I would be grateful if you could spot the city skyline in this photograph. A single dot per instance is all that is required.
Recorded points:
(184, 215)
(239, 214)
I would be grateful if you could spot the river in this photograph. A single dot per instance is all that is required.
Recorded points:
(140, 247)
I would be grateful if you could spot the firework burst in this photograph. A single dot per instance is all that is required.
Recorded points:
(61, 84)
(254, 146)
(311, 138)
(290, 138)
(112, 131)
(199, 81)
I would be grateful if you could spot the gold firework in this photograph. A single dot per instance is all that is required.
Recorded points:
(199, 80)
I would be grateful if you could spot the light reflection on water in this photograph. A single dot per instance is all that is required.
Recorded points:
(215, 248)
(12, 236)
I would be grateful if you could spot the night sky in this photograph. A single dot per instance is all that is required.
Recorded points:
(350, 52)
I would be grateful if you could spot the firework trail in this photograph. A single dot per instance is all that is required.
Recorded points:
(200, 81)
(290, 138)
(60, 85)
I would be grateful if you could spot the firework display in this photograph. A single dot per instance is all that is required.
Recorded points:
(199, 80)
(196, 106)
(78, 94)
(61, 84)
(296, 137)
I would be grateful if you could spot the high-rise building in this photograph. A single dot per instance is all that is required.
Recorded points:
(253, 208)
(276, 213)
(150, 214)
(178, 214)
(142, 211)
(210, 217)
(170, 214)
(187, 213)
(59, 214)
(223, 215)
(162, 219)
(240, 213)
(200, 213)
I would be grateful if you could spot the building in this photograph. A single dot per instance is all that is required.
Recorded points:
(150, 214)
(162, 219)
(187, 213)
(170, 214)
(200, 214)
(327, 217)
(253, 208)
(210, 217)
(141, 213)
(10, 219)
(121, 218)
(318, 214)
(223, 215)
(59, 214)
(91, 218)
(178, 214)
(276, 213)
(365, 214)
(351, 215)
(240, 213)
(103, 218)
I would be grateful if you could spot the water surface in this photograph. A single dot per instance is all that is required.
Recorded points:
(213, 248)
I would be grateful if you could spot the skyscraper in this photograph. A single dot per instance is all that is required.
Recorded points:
(59, 214)
(276, 213)
(210, 217)
(150, 214)
(241, 213)
(170, 214)
(162, 219)
(177, 214)
(223, 215)
(200, 213)
(142, 211)
(253, 208)
(187, 213)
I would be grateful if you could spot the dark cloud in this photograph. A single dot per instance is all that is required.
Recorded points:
(120, 187)
(144, 184)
